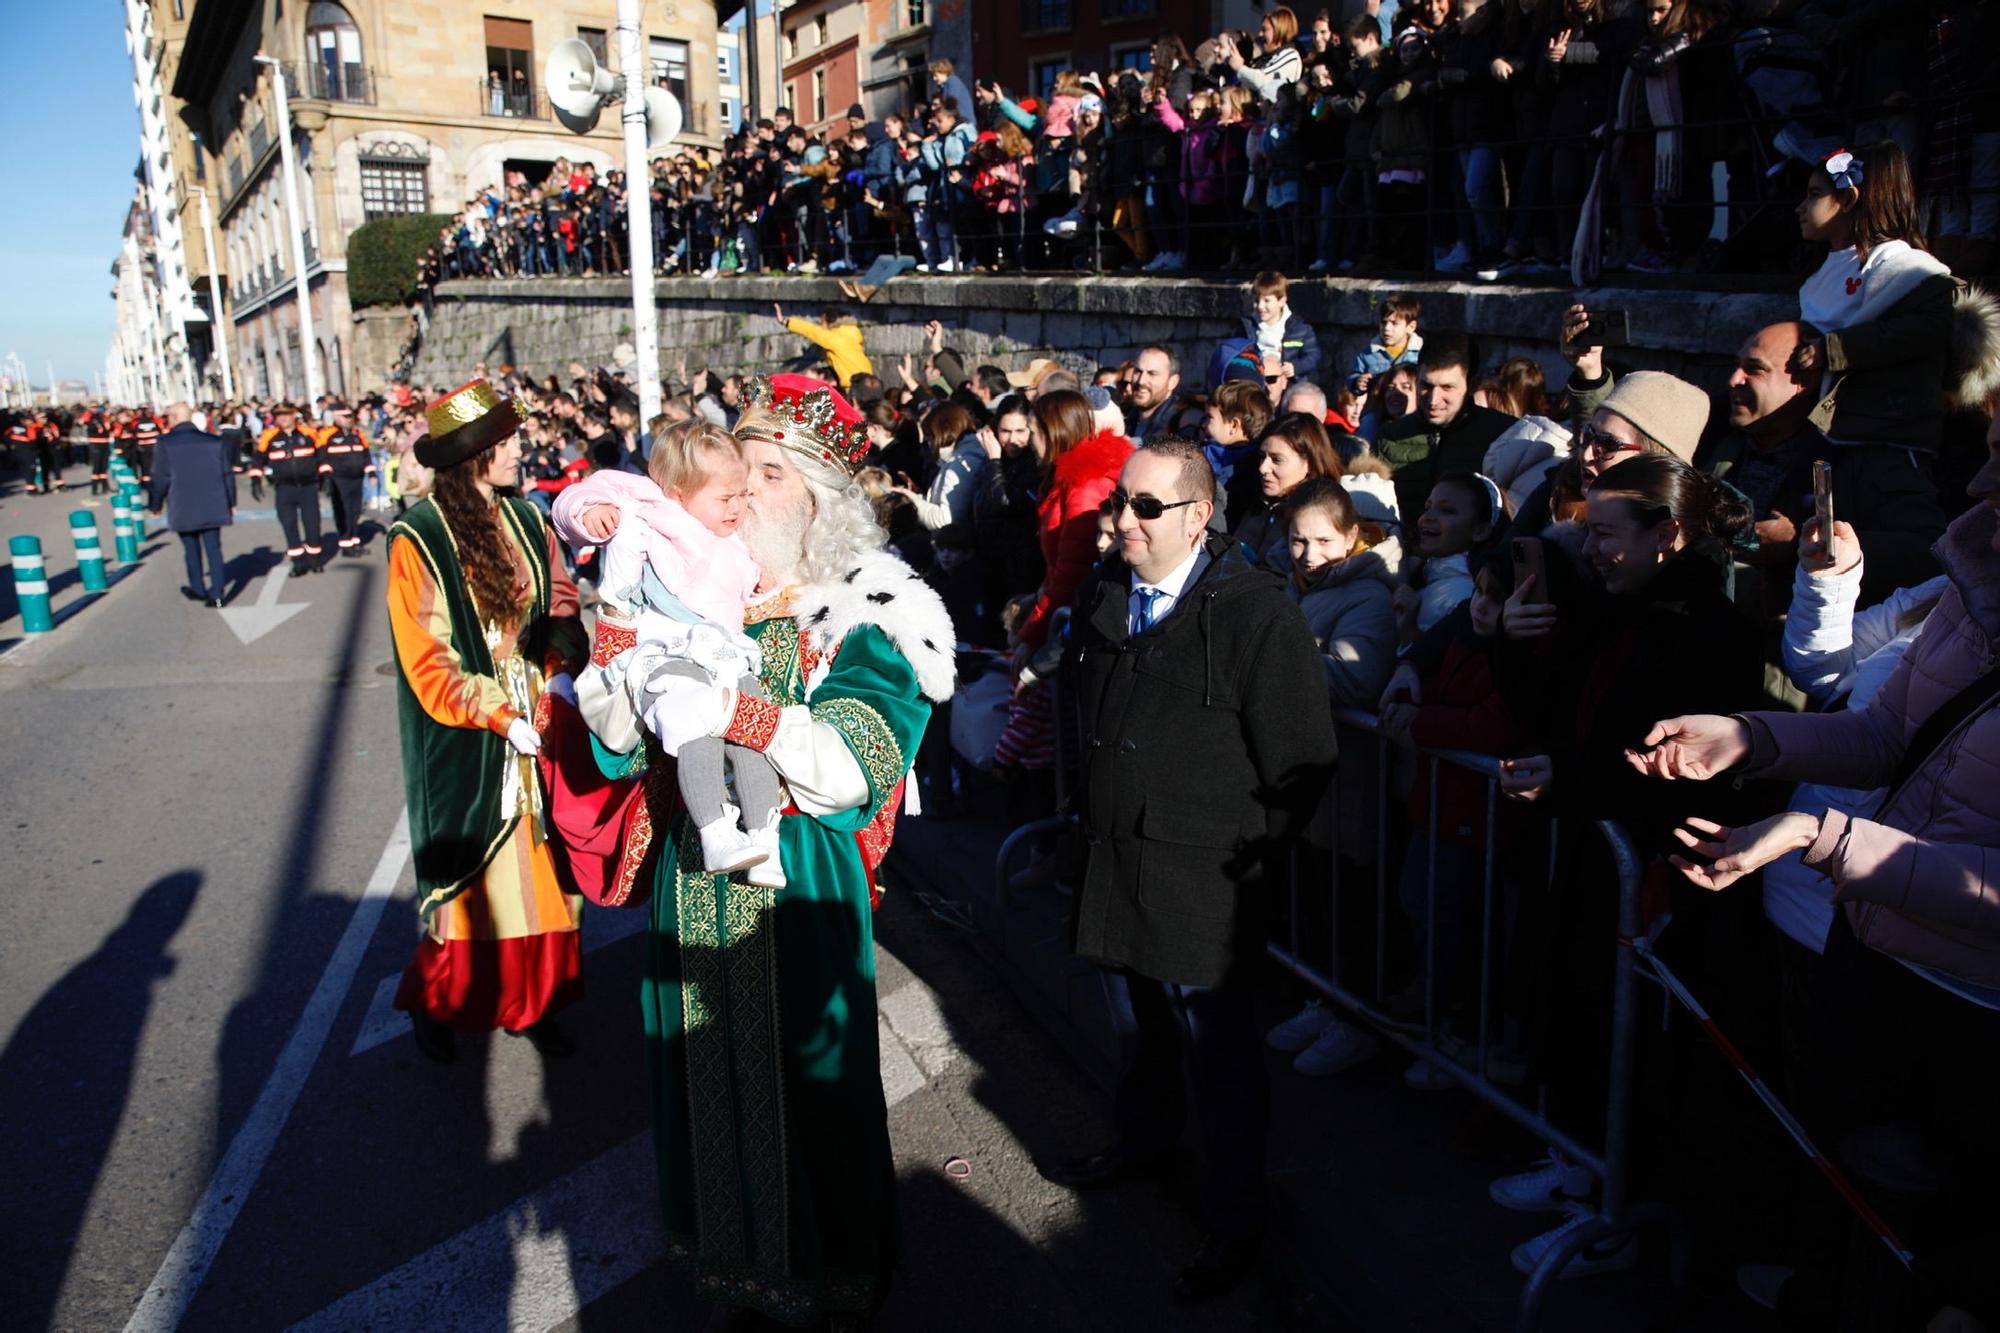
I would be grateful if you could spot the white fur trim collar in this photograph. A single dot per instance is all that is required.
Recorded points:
(884, 592)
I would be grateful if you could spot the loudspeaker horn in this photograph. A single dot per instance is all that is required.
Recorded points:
(663, 119)
(578, 87)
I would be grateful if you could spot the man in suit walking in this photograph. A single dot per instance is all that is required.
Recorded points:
(1208, 743)
(194, 480)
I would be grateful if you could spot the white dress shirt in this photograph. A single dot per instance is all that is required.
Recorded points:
(1170, 589)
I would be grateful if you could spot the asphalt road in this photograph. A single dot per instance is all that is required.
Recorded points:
(213, 1120)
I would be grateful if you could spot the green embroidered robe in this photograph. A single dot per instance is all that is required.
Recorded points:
(770, 1126)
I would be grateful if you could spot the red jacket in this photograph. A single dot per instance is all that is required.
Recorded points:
(1085, 477)
(1462, 710)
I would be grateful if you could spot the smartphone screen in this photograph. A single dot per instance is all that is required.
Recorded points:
(1823, 500)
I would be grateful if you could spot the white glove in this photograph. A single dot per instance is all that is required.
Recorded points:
(681, 710)
(621, 564)
(563, 686)
(523, 737)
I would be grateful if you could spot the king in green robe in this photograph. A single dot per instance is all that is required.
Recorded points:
(771, 1130)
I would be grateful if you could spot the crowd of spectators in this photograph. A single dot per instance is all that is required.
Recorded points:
(1488, 137)
(1617, 581)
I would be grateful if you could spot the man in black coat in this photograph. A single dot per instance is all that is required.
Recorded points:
(193, 478)
(1208, 744)
(1448, 432)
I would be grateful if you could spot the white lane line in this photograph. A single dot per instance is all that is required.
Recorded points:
(384, 1022)
(552, 1251)
(194, 1250)
(563, 1246)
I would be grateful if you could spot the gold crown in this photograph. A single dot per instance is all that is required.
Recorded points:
(467, 404)
(810, 425)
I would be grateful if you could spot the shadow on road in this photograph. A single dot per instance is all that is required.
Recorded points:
(64, 1079)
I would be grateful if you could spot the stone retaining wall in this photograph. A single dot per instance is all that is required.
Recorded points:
(726, 324)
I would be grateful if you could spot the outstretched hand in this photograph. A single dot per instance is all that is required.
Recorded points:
(1697, 747)
(1733, 853)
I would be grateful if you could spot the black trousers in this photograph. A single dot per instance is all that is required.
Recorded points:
(298, 513)
(48, 457)
(1200, 1039)
(347, 510)
(100, 468)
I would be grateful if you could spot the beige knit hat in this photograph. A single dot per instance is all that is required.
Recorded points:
(1663, 406)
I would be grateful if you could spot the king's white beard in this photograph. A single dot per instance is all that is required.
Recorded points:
(777, 540)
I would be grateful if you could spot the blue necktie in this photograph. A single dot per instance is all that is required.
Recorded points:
(1149, 601)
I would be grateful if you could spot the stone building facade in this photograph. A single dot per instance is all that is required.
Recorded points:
(406, 107)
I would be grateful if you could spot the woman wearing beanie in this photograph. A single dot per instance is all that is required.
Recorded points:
(1632, 612)
(1646, 412)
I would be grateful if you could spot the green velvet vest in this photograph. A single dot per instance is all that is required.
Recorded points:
(453, 776)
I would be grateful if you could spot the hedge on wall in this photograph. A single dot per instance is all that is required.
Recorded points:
(382, 257)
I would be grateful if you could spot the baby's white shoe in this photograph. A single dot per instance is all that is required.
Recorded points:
(769, 873)
(726, 848)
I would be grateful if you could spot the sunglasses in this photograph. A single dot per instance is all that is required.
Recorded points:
(1591, 440)
(1147, 507)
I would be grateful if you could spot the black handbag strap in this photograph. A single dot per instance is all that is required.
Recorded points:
(1939, 726)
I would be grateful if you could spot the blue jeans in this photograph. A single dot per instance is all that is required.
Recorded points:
(936, 233)
(1178, 1038)
(1481, 168)
(204, 543)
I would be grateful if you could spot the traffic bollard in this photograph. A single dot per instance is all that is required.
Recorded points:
(89, 554)
(124, 544)
(135, 504)
(31, 584)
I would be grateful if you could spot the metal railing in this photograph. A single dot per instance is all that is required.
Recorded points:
(1616, 1216)
(512, 103)
(334, 83)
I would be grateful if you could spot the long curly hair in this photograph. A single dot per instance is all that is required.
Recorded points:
(483, 550)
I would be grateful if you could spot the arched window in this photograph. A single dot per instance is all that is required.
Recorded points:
(333, 54)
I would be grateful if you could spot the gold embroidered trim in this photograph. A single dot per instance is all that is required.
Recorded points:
(874, 745)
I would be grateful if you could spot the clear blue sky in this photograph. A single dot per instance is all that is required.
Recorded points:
(69, 140)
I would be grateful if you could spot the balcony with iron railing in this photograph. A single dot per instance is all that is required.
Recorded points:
(335, 82)
(516, 103)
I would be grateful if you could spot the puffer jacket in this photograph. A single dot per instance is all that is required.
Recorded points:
(1084, 479)
(1350, 610)
(1524, 455)
(1921, 880)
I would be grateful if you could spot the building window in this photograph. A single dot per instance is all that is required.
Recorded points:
(791, 43)
(1137, 57)
(729, 114)
(1045, 15)
(510, 67)
(819, 94)
(333, 48)
(914, 13)
(669, 68)
(200, 162)
(819, 32)
(597, 41)
(1130, 9)
(390, 186)
(1045, 76)
(725, 64)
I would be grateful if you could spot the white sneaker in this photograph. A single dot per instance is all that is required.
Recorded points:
(1552, 1184)
(770, 872)
(1156, 263)
(1176, 261)
(1317, 266)
(1301, 1029)
(923, 268)
(1459, 260)
(1340, 1046)
(946, 266)
(1607, 1257)
(726, 848)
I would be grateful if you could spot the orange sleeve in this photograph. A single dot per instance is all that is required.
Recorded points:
(421, 627)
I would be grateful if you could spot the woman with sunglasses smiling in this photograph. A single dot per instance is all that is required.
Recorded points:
(1647, 412)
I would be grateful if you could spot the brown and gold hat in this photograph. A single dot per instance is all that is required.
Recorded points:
(469, 420)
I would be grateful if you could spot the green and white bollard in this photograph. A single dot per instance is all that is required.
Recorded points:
(124, 544)
(31, 584)
(135, 504)
(89, 554)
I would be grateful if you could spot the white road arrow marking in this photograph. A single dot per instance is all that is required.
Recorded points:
(385, 1022)
(574, 1240)
(252, 623)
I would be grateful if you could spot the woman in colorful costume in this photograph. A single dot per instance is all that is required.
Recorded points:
(484, 620)
(770, 1125)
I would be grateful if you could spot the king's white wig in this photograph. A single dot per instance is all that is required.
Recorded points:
(843, 526)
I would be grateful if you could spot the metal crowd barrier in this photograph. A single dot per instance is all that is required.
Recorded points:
(1617, 1215)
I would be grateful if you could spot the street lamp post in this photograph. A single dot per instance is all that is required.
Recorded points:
(215, 316)
(289, 161)
(639, 214)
